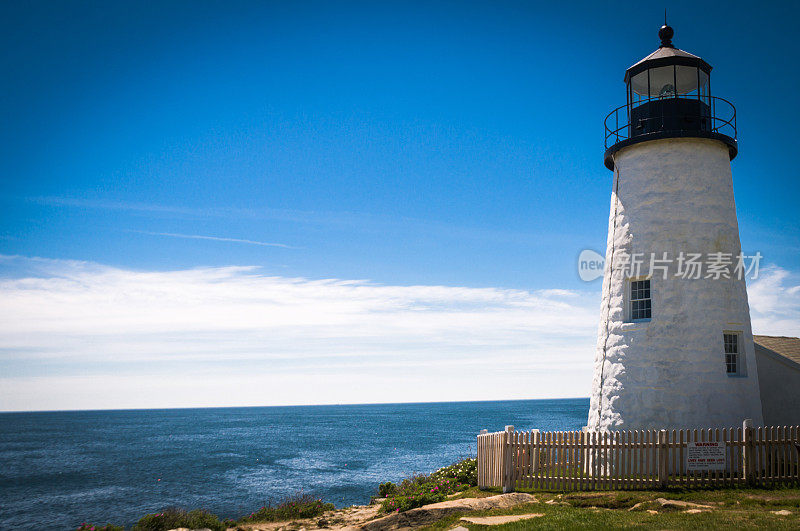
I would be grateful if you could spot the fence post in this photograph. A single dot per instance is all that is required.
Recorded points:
(748, 451)
(482, 460)
(508, 460)
(662, 458)
(535, 441)
(584, 459)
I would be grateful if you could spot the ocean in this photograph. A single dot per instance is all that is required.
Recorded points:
(59, 469)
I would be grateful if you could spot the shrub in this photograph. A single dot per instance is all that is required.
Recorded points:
(387, 489)
(173, 518)
(108, 527)
(464, 471)
(419, 490)
(415, 492)
(299, 506)
(411, 499)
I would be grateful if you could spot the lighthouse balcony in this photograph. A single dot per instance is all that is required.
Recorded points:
(671, 117)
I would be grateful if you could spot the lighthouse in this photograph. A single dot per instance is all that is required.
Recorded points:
(674, 346)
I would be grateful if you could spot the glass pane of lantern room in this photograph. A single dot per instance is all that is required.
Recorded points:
(662, 82)
(704, 94)
(686, 77)
(639, 87)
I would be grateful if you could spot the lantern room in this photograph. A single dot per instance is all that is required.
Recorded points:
(669, 95)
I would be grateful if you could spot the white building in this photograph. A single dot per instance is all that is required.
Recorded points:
(675, 348)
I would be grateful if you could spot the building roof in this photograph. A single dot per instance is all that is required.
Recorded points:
(788, 347)
(667, 56)
(665, 52)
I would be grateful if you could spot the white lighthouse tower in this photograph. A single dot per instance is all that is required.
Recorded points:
(674, 347)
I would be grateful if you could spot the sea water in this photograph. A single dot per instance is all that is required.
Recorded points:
(59, 469)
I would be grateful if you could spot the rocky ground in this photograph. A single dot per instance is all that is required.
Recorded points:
(741, 508)
(368, 518)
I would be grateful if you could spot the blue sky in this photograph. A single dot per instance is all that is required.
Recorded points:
(402, 144)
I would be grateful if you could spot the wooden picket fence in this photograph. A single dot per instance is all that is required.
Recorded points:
(640, 459)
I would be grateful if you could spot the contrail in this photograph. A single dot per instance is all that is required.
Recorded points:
(216, 239)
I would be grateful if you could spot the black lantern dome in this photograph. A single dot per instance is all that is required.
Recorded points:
(669, 96)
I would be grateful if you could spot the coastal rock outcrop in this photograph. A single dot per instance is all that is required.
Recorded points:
(429, 514)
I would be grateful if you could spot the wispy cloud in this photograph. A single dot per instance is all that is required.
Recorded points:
(216, 239)
(75, 202)
(85, 335)
(173, 211)
(350, 340)
(339, 220)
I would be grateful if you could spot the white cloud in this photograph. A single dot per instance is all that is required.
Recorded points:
(775, 303)
(79, 334)
(84, 335)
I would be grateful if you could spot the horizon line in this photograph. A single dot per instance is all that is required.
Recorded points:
(16, 412)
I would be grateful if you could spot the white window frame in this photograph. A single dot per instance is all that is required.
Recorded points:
(739, 360)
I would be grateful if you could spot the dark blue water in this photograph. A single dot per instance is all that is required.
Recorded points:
(58, 469)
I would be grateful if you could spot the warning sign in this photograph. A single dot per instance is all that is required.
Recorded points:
(705, 456)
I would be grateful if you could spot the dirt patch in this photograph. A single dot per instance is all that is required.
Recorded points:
(606, 500)
(680, 504)
(497, 520)
(556, 502)
(341, 519)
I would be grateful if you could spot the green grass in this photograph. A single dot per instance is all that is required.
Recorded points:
(296, 507)
(733, 508)
(174, 518)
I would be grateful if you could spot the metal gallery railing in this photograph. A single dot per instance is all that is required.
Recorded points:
(712, 114)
